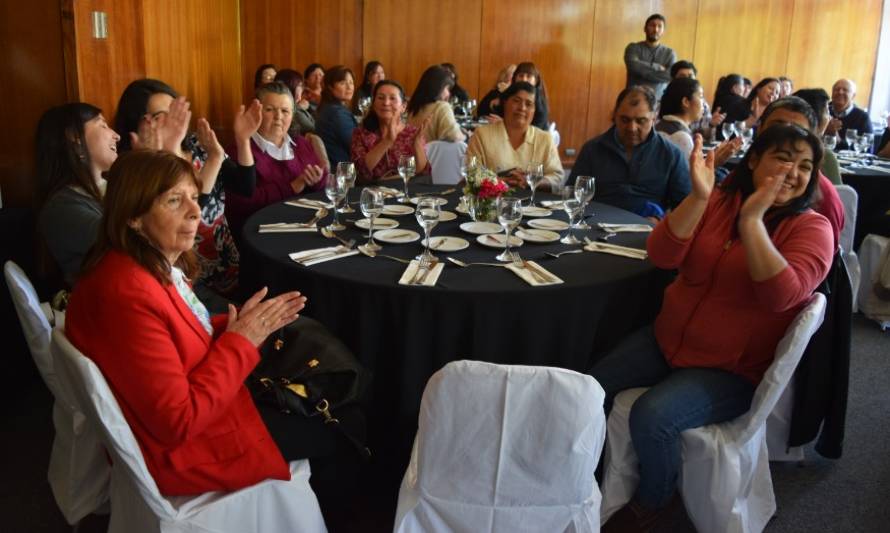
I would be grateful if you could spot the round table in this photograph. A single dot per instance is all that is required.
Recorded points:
(405, 333)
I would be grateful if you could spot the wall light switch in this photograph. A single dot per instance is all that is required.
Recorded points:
(100, 24)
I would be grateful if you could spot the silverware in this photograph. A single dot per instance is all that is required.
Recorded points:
(429, 270)
(371, 253)
(543, 276)
(329, 233)
(320, 214)
(436, 193)
(419, 274)
(557, 254)
(461, 264)
(398, 235)
(321, 253)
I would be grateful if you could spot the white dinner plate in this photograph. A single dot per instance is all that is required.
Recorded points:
(440, 201)
(396, 210)
(481, 228)
(446, 216)
(380, 223)
(534, 211)
(537, 235)
(446, 244)
(548, 223)
(462, 209)
(494, 240)
(396, 236)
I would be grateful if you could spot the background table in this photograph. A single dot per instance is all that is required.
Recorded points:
(873, 187)
(404, 334)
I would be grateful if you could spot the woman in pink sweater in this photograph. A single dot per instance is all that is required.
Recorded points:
(749, 254)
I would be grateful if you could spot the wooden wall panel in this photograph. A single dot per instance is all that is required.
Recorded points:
(749, 37)
(424, 34)
(195, 47)
(33, 79)
(106, 66)
(618, 23)
(832, 40)
(294, 34)
(557, 37)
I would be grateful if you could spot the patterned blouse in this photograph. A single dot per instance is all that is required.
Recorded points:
(364, 140)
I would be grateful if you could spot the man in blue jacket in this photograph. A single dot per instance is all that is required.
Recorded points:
(635, 168)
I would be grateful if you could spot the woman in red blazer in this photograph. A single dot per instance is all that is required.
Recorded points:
(176, 372)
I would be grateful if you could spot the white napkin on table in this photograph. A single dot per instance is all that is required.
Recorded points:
(614, 249)
(309, 204)
(431, 277)
(625, 228)
(287, 227)
(320, 255)
(524, 270)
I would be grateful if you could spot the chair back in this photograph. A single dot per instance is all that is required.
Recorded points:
(37, 320)
(92, 392)
(506, 448)
(850, 199)
(320, 151)
(788, 353)
(445, 158)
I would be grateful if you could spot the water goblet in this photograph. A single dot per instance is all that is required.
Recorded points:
(371, 204)
(585, 187)
(346, 169)
(726, 129)
(427, 214)
(850, 138)
(830, 142)
(406, 171)
(572, 207)
(534, 173)
(509, 215)
(335, 189)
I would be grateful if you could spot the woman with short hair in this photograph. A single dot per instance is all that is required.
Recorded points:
(264, 74)
(430, 103)
(313, 77)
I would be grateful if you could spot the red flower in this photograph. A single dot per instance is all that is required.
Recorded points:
(489, 190)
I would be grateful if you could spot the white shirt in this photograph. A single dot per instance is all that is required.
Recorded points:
(283, 153)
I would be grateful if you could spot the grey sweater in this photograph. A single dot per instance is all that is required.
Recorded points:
(69, 222)
(644, 66)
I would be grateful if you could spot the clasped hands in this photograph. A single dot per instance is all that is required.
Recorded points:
(257, 318)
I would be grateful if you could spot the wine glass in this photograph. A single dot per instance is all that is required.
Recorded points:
(406, 171)
(850, 138)
(747, 138)
(346, 169)
(830, 142)
(585, 186)
(534, 173)
(727, 130)
(335, 189)
(572, 207)
(371, 204)
(509, 216)
(364, 104)
(867, 140)
(427, 214)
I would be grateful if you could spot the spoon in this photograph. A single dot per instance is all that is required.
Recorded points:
(320, 214)
(329, 233)
(556, 255)
(461, 264)
(372, 253)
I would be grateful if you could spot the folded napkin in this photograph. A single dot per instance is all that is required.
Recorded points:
(287, 227)
(533, 273)
(309, 204)
(614, 249)
(625, 228)
(426, 278)
(320, 255)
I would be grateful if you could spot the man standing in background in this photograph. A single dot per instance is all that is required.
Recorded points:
(649, 62)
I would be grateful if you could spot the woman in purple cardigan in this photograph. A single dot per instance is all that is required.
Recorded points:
(285, 166)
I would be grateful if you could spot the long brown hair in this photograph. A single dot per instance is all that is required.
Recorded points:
(135, 181)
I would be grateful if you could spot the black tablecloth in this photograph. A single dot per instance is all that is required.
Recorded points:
(873, 188)
(404, 334)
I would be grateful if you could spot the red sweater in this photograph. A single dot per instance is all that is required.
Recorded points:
(180, 390)
(713, 314)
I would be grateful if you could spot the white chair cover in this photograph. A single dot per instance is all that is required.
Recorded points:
(504, 448)
(874, 254)
(445, 159)
(136, 504)
(850, 199)
(725, 479)
(78, 469)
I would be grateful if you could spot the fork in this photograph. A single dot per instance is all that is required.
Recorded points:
(557, 254)
(461, 264)
(536, 274)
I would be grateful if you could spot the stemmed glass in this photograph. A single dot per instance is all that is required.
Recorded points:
(509, 215)
(371, 205)
(406, 171)
(427, 214)
(346, 169)
(335, 189)
(727, 130)
(364, 104)
(585, 186)
(747, 138)
(572, 207)
(850, 136)
(867, 140)
(830, 142)
(534, 173)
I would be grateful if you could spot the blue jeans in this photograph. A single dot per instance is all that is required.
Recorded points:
(679, 399)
